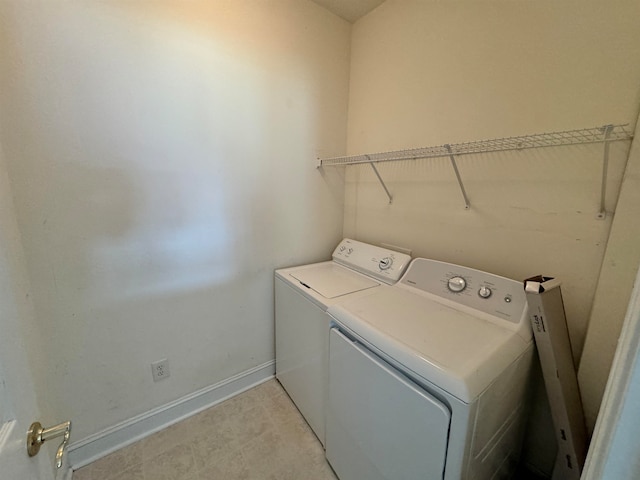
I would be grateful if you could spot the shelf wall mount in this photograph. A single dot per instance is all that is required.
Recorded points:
(386, 190)
(457, 172)
(602, 214)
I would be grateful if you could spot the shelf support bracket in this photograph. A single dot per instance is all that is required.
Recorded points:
(605, 166)
(455, 169)
(375, 170)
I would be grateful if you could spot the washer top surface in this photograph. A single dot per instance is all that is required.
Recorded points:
(332, 280)
(327, 283)
(458, 348)
(356, 268)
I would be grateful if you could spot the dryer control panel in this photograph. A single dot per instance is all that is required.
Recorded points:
(486, 292)
(381, 263)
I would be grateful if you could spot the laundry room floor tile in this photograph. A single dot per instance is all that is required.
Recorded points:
(257, 435)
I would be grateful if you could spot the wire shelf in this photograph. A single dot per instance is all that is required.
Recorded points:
(606, 133)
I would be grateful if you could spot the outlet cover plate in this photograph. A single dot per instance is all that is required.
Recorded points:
(160, 370)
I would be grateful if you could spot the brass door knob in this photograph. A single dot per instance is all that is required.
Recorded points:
(37, 435)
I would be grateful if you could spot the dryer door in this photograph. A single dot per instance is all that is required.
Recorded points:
(380, 425)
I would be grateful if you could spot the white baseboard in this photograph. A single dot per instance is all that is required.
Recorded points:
(125, 433)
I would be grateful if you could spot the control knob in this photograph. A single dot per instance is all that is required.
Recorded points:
(457, 284)
(385, 263)
(484, 292)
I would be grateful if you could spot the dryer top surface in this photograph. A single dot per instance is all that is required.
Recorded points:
(457, 349)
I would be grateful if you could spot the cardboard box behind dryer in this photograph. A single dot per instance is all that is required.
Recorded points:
(547, 316)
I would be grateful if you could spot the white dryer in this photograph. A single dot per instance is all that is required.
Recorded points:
(302, 296)
(428, 379)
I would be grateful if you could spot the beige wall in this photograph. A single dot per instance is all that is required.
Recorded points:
(162, 160)
(615, 284)
(430, 73)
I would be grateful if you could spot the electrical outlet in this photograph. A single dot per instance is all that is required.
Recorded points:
(160, 370)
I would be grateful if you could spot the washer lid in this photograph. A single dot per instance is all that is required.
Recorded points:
(460, 352)
(331, 280)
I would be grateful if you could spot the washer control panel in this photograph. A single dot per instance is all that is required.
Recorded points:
(480, 290)
(381, 263)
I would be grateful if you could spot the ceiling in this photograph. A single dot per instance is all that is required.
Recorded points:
(350, 10)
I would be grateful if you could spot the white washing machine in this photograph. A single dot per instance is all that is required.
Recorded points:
(302, 296)
(428, 379)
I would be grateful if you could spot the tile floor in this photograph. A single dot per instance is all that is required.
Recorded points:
(256, 435)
